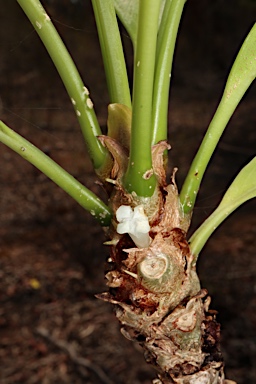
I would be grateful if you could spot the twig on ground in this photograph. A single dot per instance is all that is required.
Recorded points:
(74, 357)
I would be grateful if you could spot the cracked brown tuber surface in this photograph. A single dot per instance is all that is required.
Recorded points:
(156, 290)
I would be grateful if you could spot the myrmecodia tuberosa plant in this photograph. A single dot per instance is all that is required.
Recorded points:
(152, 279)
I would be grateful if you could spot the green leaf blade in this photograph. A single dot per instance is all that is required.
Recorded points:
(128, 12)
(243, 71)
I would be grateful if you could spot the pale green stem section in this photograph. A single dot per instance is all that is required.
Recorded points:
(139, 177)
(165, 49)
(112, 52)
(69, 74)
(194, 177)
(241, 190)
(240, 78)
(87, 199)
(203, 233)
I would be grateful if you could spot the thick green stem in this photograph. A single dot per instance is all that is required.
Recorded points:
(165, 49)
(140, 177)
(87, 199)
(112, 52)
(68, 72)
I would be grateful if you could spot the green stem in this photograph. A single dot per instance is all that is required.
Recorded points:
(87, 199)
(194, 177)
(165, 49)
(112, 52)
(139, 177)
(242, 74)
(242, 189)
(70, 77)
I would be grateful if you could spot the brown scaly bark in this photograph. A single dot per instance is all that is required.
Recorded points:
(156, 290)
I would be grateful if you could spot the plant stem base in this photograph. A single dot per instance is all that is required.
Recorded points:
(157, 293)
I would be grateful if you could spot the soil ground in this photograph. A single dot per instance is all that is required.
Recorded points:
(52, 328)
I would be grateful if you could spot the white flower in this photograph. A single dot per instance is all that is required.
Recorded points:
(135, 223)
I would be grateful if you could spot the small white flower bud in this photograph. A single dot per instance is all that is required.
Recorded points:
(135, 223)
